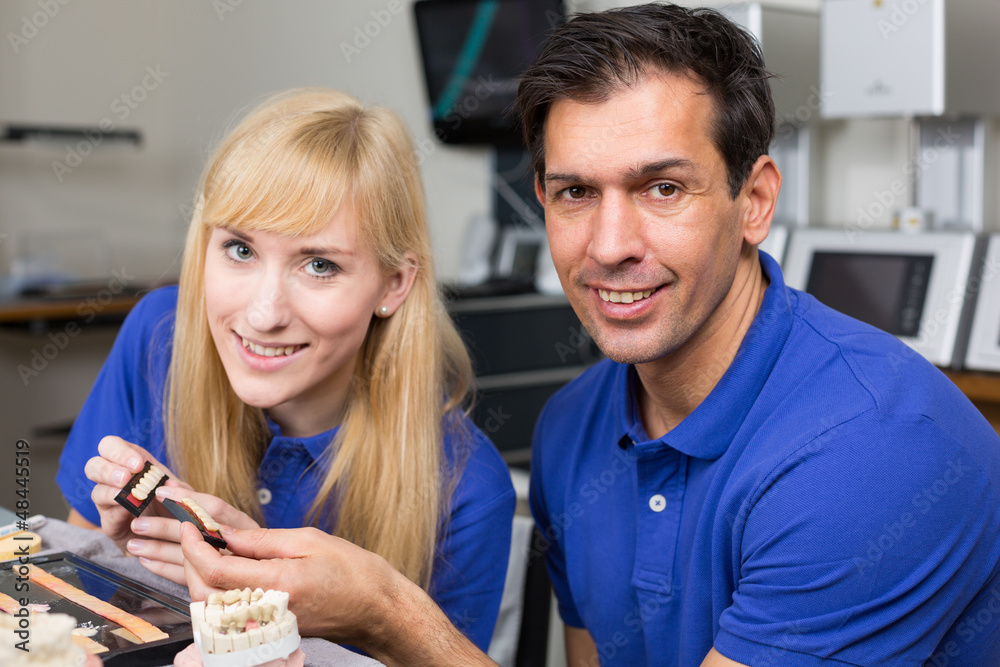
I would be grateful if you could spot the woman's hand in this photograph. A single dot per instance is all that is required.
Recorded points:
(155, 536)
(159, 548)
(118, 460)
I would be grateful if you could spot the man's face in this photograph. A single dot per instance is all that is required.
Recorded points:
(643, 232)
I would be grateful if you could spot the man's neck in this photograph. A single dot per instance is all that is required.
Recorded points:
(672, 387)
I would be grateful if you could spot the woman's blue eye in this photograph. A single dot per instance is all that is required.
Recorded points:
(321, 267)
(239, 251)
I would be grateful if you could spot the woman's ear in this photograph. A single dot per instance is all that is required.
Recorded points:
(398, 286)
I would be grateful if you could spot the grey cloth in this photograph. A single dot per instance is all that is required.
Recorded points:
(95, 546)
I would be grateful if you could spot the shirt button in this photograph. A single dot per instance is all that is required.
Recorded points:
(657, 503)
(264, 496)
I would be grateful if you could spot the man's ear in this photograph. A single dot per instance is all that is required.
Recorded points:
(539, 190)
(398, 286)
(761, 193)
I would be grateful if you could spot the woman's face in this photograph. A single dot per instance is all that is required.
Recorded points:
(289, 314)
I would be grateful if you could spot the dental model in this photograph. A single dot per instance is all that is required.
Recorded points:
(243, 628)
(50, 642)
(138, 493)
(190, 511)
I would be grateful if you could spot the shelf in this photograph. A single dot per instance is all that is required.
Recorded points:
(983, 387)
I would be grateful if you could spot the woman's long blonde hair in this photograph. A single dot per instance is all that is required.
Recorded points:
(287, 168)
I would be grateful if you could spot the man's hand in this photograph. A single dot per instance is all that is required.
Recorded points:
(336, 589)
(159, 547)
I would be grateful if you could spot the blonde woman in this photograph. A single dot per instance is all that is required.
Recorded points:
(305, 371)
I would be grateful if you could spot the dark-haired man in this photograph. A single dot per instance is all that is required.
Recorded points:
(752, 478)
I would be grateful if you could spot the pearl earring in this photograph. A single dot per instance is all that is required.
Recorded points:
(383, 311)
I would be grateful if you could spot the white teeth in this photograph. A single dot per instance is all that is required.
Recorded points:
(262, 351)
(623, 297)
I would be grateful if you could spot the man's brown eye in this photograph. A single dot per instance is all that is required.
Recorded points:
(576, 192)
(666, 189)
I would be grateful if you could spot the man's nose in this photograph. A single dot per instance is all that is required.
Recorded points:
(615, 231)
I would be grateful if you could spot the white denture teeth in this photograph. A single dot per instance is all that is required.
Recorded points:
(188, 510)
(624, 297)
(228, 625)
(136, 495)
(274, 351)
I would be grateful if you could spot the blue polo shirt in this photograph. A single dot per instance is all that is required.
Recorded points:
(126, 400)
(834, 500)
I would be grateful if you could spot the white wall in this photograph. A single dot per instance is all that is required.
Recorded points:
(212, 59)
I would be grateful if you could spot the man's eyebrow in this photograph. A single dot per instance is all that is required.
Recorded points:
(632, 174)
(551, 177)
(645, 170)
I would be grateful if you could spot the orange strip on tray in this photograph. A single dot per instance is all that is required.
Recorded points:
(9, 604)
(140, 628)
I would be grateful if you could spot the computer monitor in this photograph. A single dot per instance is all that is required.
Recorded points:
(984, 339)
(910, 285)
(473, 53)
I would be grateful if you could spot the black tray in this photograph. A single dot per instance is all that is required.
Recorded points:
(167, 612)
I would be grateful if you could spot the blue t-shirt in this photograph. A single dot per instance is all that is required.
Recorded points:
(471, 560)
(834, 500)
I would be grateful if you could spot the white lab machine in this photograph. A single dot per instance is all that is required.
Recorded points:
(934, 62)
(913, 58)
(910, 285)
(984, 338)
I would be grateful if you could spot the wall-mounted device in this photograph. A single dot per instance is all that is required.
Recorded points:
(984, 338)
(910, 285)
(926, 58)
(473, 53)
(789, 40)
(932, 61)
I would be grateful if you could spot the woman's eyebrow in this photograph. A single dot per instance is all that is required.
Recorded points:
(331, 250)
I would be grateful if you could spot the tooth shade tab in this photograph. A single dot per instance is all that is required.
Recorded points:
(624, 297)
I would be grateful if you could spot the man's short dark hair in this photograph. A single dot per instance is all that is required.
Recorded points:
(590, 57)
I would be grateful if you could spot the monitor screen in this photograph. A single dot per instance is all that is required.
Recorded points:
(473, 54)
(885, 290)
